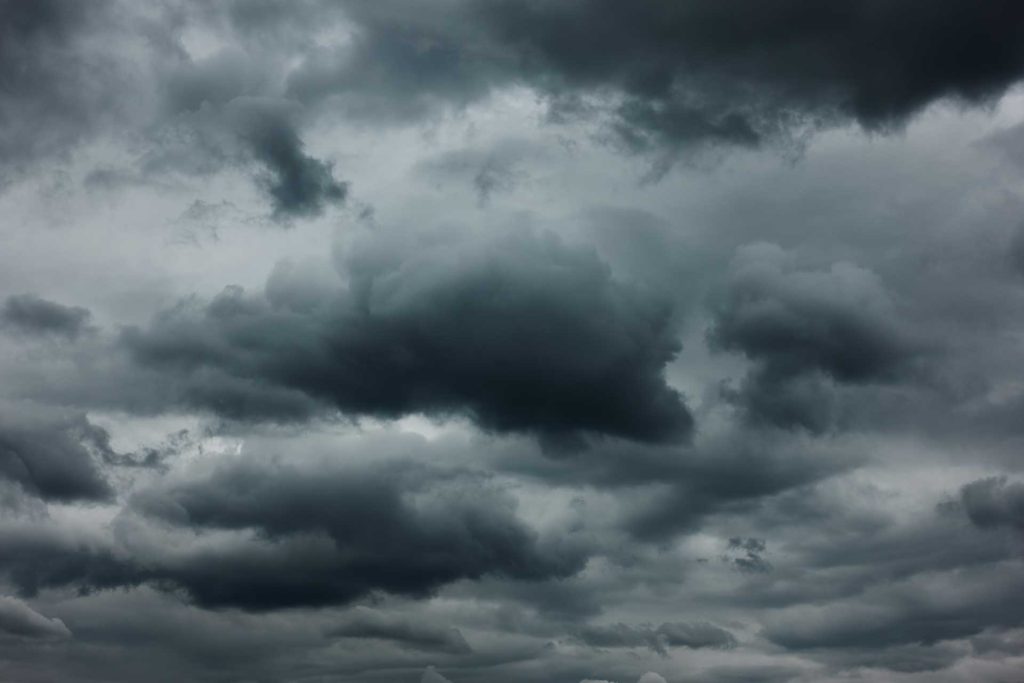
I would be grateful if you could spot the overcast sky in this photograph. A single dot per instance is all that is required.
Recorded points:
(511, 341)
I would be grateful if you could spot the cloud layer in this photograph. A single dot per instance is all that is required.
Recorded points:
(509, 341)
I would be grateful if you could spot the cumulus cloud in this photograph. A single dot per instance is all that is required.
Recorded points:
(994, 502)
(53, 82)
(18, 619)
(694, 635)
(659, 77)
(430, 675)
(366, 623)
(666, 75)
(312, 532)
(803, 327)
(32, 316)
(65, 65)
(651, 677)
(53, 457)
(298, 184)
(519, 333)
(439, 442)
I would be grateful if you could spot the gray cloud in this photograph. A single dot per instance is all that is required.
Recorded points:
(641, 440)
(803, 328)
(53, 457)
(994, 502)
(907, 612)
(694, 635)
(667, 74)
(51, 87)
(387, 528)
(325, 533)
(30, 315)
(298, 184)
(370, 624)
(18, 619)
(488, 328)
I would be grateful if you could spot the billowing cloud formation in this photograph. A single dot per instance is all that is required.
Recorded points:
(430, 675)
(671, 634)
(54, 458)
(66, 69)
(310, 533)
(438, 438)
(42, 48)
(670, 73)
(18, 619)
(30, 315)
(393, 527)
(298, 184)
(518, 333)
(370, 624)
(651, 677)
(801, 326)
(659, 75)
(994, 502)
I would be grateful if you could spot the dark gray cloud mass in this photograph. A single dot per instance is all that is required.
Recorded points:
(805, 328)
(994, 502)
(661, 75)
(30, 315)
(325, 535)
(680, 73)
(299, 185)
(385, 534)
(41, 50)
(18, 619)
(519, 333)
(659, 639)
(658, 341)
(369, 624)
(53, 457)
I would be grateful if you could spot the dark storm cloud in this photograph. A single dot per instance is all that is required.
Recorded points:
(747, 554)
(39, 555)
(693, 635)
(668, 490)
(661, 75)
(994, 502)
(30, 315)
(18, 619)
(366, 623)
(731, 472)
(49, 89)
(65, 68)
(805, 329)
(261, 533)
(923, 610)
(395, 527)
(53, 457)
(677, 73)
(299, 185)
(518, 332)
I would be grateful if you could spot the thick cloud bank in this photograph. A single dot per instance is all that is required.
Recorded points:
(511, 341)
(519, 333)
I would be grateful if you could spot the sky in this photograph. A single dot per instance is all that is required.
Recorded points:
(511, 341)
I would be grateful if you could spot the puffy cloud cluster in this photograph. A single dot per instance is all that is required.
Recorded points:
(518, 333)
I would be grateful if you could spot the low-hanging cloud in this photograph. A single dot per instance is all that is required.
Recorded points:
(32, 316)
(804, 328)
(20, 620)
(519, 333)
(54, 457)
